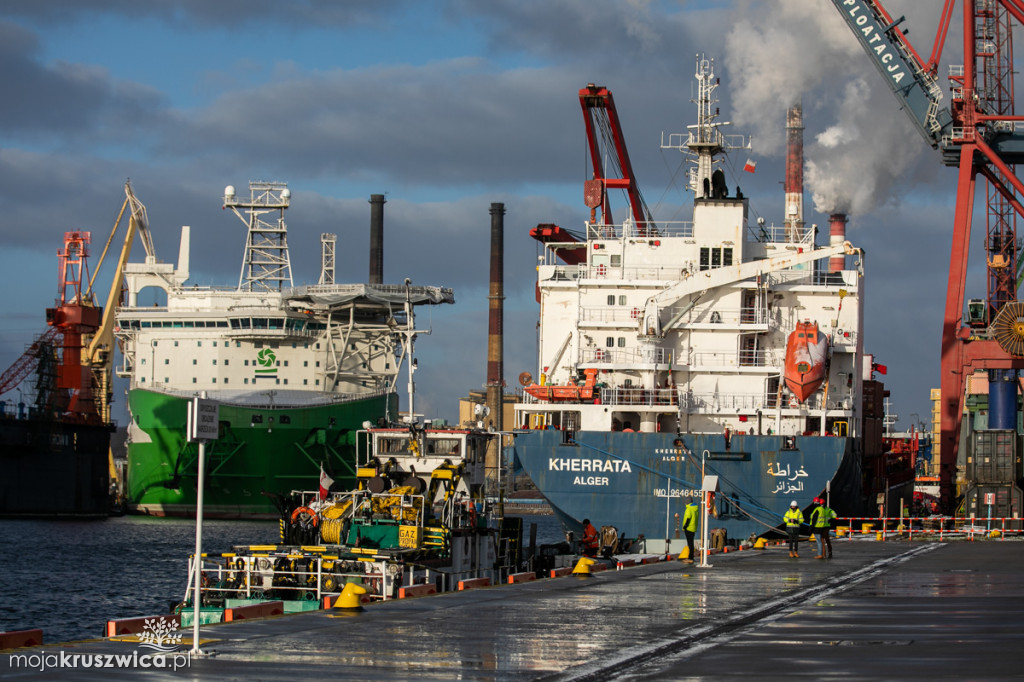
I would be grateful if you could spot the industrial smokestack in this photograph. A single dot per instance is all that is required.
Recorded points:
(495, 335)
(377, 202)
(836, 235)
(795, 172)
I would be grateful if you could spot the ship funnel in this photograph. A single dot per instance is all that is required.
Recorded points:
(836, 236)
(377, 202)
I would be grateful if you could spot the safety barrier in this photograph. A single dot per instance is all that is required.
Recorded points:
(250, 611)
(943, 527)
(473, 583)
(136, 626)
(417, 591)
(19, 638)
(525, 577)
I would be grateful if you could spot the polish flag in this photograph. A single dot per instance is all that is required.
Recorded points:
(325, 482)
(750, 165)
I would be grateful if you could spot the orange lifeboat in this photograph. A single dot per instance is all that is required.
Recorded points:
(586, 390)
(806, 356)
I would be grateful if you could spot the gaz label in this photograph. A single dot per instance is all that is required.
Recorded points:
(409, 536)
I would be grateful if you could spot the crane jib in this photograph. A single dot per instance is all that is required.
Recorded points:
(862, 19)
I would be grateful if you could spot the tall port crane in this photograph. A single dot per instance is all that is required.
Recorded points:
(977, 135)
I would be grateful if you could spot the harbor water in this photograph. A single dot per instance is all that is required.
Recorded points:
(70, 577)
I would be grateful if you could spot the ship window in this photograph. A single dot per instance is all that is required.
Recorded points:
(317, 383)
(238, 344)
(225, 380)
(147, 325)
(727, 256)
(285, 419)
(143, 361)
(276, 323)
(305, 363)
(195, 361)
(277, 381)
(277, 364)
(616, 260)
(246, 363)
(225, 361)
(167, 361)
(215, 361)
(285, 381)
(199, 344)
(285, 363)
(716, 258)
(610, 342)
(246, 380)
(235, 324)
(167, 380)
(305, 382)
(175, 344)
(256, 419)
(317, 363)
(214, 344)
(194, 380)
(214, 380)
(611, 299)
(622, 300)
(143, 380)
(622, 342)
(704, 257)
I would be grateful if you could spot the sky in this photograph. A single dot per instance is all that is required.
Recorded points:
(447, 106)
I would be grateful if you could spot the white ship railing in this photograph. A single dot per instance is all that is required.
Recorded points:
(739, 358)
(715, 403)
(630, 229)
(627, 355)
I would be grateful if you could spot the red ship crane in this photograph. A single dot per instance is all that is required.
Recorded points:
(75, 317)
(977, 134)
(611, 169)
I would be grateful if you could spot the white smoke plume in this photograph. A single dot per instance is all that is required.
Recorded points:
(791, 49)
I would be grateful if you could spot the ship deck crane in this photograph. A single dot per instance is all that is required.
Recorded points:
(978, 135)
(98, 355)
(610, 168)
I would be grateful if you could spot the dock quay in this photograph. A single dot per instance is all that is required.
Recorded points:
(878, 610)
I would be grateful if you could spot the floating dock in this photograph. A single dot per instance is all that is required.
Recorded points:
(878, 610)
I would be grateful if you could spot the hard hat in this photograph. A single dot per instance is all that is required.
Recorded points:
(793, 504)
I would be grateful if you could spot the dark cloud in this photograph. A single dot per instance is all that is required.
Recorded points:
(203, 13)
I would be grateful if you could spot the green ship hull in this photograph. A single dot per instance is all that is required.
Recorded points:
(261, 449)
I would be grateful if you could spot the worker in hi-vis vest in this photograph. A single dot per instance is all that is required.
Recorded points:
(821, 522)
(794, 519)
(691, 517)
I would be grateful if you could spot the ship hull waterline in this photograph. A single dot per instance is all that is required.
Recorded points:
(261, 450)
(640, 483)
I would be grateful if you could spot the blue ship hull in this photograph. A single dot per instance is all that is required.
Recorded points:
(641, 482)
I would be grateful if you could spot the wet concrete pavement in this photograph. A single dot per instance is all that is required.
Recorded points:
(878, 610)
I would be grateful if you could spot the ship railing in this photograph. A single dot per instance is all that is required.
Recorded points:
(933, 527)
(782, 234)
(815, 277)
(712, 314)
(742, 402)
(738, 358)
(633, 230)
(659, 356)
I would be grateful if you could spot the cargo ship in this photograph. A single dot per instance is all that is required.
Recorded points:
(296, 370)
(679, 355)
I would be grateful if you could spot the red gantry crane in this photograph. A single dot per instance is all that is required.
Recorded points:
(977, 135)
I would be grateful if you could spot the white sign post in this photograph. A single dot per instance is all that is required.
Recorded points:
(203, 421)
(708, 486)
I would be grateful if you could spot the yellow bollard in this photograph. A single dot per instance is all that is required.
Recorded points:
(841, 531)
(583, 567)
(879, 535)
(995, 534)
(349, 597)
(685, 554)
(759, 544)
(866, 528)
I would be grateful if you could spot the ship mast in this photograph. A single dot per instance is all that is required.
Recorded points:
(266, 265)
(704, 141)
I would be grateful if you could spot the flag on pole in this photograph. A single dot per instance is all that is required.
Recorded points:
(750, 165)
(325, 482)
